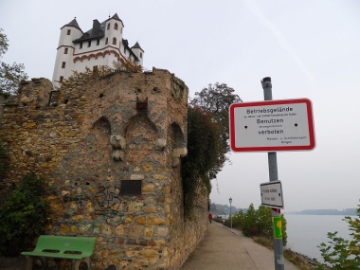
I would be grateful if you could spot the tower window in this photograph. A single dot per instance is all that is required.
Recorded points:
(63, 64)
(106, 41)
(97, 42)
(140, 54)
(65, 50)
(114, 41)
(89, 43)
(80, 45)
(61, 79)
(116, 26)
(108, 26)
(68, 32)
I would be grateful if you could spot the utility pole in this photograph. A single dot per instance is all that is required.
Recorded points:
(273, 176)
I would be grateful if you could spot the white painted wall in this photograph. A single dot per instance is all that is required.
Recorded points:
(66, 41)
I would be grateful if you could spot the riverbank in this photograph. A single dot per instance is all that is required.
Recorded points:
(300, 260)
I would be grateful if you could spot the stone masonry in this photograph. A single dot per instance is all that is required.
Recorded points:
(110, 152)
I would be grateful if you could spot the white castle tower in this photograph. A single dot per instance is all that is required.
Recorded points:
(100, 46)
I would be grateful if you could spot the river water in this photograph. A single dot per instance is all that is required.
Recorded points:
(306, 232)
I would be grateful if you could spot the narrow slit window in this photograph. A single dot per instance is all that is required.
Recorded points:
(63, 64)
(65, 50)
(68, 32)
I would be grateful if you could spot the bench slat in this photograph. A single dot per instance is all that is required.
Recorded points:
(85, 245)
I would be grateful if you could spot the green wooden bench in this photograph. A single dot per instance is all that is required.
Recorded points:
(77, 249)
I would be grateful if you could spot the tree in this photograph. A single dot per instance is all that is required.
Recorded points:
(215, 101)
(10, 75)
(4, 45)
(341, 253)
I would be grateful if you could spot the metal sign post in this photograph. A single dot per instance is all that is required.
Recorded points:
(272, 125)
(273, 176)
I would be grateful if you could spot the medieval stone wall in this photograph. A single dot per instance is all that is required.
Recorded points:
(110, 152)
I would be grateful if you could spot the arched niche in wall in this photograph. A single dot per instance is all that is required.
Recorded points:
(102, 130)
(140, 131)
(98, 147)
(176, 144)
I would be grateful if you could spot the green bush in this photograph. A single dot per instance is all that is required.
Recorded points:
(22, 216)
(237, 219)
(340, 253)
(257, 223)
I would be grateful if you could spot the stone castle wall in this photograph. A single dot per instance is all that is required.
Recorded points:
(110, 152)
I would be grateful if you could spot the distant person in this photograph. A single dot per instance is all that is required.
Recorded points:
(210, 217)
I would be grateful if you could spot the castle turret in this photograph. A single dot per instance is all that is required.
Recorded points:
(139, 52)
(65, 51)
(113, 39)
(102, 45)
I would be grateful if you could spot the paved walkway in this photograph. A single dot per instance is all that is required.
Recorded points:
(224, 248)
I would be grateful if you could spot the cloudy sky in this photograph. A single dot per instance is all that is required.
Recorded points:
(309, 48)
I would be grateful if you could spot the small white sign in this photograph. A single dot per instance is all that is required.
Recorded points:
(271, 194)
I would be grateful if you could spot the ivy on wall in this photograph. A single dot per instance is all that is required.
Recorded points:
(4, 161)
(208, 134)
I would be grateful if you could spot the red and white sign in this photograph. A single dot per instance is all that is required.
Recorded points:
(274, 125)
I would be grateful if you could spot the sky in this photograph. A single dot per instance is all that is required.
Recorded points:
(310, 49)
